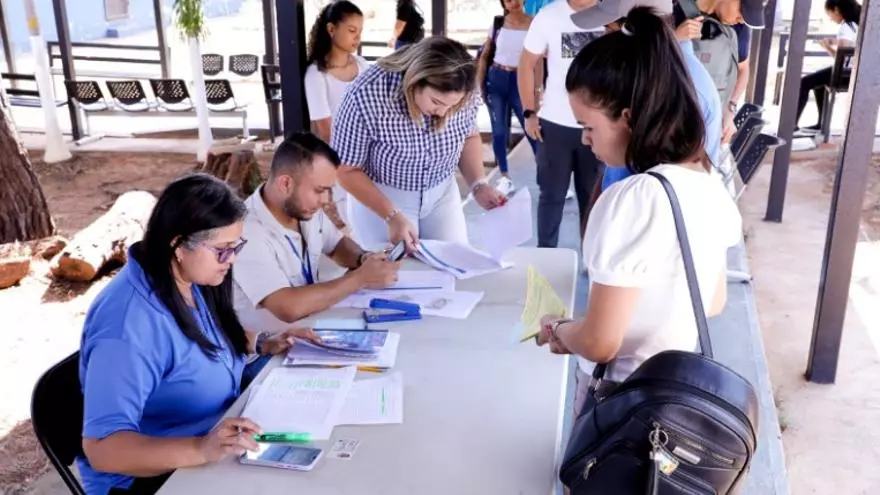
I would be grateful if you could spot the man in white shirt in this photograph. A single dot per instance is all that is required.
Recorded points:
(276, 277)
(560, 150)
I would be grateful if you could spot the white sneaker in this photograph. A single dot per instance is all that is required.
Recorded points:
(569, 194)
(505, 185)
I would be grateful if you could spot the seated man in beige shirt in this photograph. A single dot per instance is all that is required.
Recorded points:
(276, 276)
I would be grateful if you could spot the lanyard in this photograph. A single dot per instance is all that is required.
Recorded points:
(305, 261)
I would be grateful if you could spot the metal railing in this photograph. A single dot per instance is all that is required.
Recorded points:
(386, 49)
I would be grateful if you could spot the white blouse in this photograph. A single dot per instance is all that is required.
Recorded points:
(631, 242)
(509, 46)
(847, 32)
(324, 91)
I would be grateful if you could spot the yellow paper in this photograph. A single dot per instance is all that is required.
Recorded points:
(541, 300)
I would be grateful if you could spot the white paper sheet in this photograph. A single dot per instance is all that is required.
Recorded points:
(503, 228)
(305, 356)
(376, 401)
(456, 305)
(296, 400)
(409, 283)
(461, 261)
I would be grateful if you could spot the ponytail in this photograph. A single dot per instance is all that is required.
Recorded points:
(320, 42)
(640, 69)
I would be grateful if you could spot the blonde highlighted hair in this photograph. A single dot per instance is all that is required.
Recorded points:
(441, 63)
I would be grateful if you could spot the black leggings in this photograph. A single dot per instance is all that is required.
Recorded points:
(816, 83)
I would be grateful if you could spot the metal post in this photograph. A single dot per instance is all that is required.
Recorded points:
(754, 44)
(8, 49)
(270, 53)
(438, 17)
(762, 64)
(291, 56)
(160, 36)
(782, 156)
(63, 29)
(846, 201)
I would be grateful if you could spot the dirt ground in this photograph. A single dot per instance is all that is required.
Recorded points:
(829, 432)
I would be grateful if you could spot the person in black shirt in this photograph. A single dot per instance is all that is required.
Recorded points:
(410, 26)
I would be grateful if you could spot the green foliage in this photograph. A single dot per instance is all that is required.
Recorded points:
(189, 17)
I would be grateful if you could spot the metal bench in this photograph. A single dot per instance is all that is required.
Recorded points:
(24, 97)
(94, 53)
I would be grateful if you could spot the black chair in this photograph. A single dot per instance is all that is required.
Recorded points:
(752, 158)
(88, 98)
(744, 136)
(130, 96)
(57, 416)
(220, 98)
(172, 94)
(272, 92)
(841, 72)
(244, 64)
(212, 64)
(746, 111)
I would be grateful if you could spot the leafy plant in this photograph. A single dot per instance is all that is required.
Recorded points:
(189, 17)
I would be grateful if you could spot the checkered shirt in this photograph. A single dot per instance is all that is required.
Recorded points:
(372, 130)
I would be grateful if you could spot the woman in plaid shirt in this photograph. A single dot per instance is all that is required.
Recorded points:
(402, 129)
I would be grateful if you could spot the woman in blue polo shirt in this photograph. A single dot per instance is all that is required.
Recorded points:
(162, 351)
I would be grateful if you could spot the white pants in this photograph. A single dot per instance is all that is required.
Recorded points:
(436, 214)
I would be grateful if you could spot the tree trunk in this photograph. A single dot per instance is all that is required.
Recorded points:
(24, 214)
(106, 239)
(236, 167)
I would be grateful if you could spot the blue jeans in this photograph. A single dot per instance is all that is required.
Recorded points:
(502, 98)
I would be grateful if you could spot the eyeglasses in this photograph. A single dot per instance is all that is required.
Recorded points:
(224, 254)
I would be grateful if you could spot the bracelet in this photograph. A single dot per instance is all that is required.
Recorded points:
(478, 184)
(391, 214)
(554, 327)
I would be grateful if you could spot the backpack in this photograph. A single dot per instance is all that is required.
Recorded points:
(489, 47)
(720, 55)
(681, 424)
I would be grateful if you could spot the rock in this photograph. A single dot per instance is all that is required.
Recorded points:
(12, 270)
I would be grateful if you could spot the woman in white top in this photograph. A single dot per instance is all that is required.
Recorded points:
(332, 66)
(496, 76)
(631, 91)
(846, 13)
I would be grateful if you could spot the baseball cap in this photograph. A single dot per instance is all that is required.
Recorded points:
(752, 12)
(607, 11)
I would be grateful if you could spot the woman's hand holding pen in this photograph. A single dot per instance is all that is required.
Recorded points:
(233, 436)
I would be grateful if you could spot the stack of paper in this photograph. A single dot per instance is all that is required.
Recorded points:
(373, 401)
(541, 300)
(301, 400)
(301, 355)
(461, 261)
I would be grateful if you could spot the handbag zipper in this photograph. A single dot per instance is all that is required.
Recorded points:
(680, 438)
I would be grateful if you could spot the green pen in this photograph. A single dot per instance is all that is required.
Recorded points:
(283, 438)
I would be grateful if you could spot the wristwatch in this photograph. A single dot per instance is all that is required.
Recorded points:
(361, 257)
(731, 105)
(527, 114)
(260, 342)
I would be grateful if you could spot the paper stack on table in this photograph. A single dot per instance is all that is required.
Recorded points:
(503, 228)
(461, 261)
(301, 355)
(301, 400)
(372, 401)
(541, 300)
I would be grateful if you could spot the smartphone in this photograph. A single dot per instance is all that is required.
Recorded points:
(397, 252)
(284, 456)
(690, 9)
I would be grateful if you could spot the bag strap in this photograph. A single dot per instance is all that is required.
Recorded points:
(690, 273)
(689, 269)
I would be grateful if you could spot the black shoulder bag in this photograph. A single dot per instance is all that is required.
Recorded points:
(682, 423)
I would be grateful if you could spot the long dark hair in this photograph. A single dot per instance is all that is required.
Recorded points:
(188, 207)
(640, 68)
(320, 42)
(850, 10)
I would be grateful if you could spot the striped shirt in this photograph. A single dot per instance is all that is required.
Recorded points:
(374, 132)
